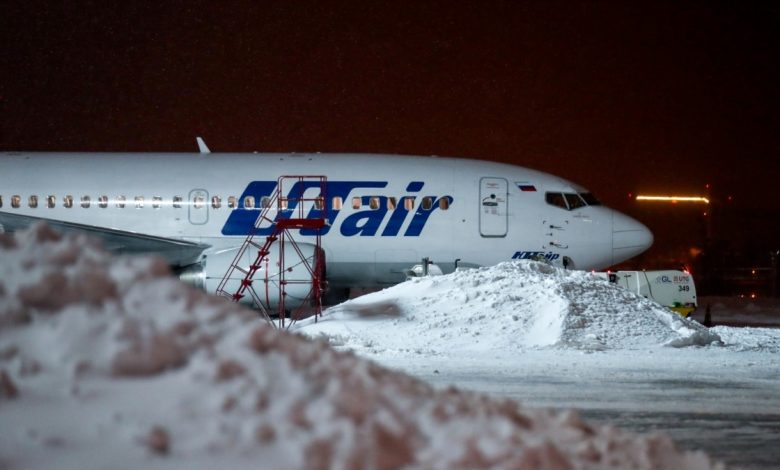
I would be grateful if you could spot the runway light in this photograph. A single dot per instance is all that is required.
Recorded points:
(674, 199)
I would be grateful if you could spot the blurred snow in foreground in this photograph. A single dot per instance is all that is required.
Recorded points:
(111, 363)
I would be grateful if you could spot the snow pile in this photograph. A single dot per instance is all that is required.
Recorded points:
(505, 308)
(601, 314)
(125, 316)
(110, 363)
(750, 339)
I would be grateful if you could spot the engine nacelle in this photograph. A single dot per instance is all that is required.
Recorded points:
(266, 281)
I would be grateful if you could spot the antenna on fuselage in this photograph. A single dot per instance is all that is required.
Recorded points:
(202, 145)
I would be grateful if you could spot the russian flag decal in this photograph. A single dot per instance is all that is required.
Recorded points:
(526, 187)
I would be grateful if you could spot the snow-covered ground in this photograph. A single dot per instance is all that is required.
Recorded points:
(504, 309)
(111, 363)
(551, 338)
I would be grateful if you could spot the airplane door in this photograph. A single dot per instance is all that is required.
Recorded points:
(198, 206)
(493, 196)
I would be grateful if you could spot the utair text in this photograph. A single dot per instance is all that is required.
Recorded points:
(360, 222)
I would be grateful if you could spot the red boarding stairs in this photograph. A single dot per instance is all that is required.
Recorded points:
(297, 205)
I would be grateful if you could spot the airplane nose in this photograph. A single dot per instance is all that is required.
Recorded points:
(629, 237)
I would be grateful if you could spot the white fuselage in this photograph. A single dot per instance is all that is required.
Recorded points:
(476, 212)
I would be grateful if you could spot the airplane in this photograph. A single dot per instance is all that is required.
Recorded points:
(384, 212)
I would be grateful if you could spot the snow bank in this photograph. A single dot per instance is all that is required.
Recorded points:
(110, 363)
(76, 308)
(505, 308)
(750, 339)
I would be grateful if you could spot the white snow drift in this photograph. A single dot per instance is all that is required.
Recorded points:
(110, 363)
(505, 308)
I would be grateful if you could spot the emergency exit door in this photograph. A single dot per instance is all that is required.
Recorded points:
(198, 206)
(493, 207)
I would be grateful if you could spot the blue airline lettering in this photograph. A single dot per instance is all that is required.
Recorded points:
(397, 218)
(421, 217)
(364, 223)
(241, 220)
(549, 256)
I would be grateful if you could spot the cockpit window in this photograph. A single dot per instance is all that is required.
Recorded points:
(590, 199)
(574, 200)
(571, 201)
(555, 199)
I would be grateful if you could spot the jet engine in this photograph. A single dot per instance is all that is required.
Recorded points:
(296, 279)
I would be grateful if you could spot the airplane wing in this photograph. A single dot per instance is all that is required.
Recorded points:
(176, 252)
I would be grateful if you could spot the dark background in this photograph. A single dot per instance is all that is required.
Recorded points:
(621, 97)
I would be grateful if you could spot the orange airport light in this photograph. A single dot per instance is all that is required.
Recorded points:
(674, 199)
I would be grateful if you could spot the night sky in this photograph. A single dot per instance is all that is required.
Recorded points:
(618, 96)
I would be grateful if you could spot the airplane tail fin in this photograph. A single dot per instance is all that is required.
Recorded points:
(202, 145)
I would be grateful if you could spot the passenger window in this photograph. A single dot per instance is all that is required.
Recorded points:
(199, 202)
(282, 203)
(86, 201)
(427, 203)
(555, 199)
(156, 202)
(67, 201)
(444, 203)
(265, 202)
(216, 202)
(120, 202)
(319, 203)
(391, 203)
(409, 203)
(32, 201)
(373, 203)
(139, 202)
(575, 202)
(356, 203)
(249, 202)
(16, 201)
(51, 201)
(231, 202)
(103, 202)
(338, 203)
